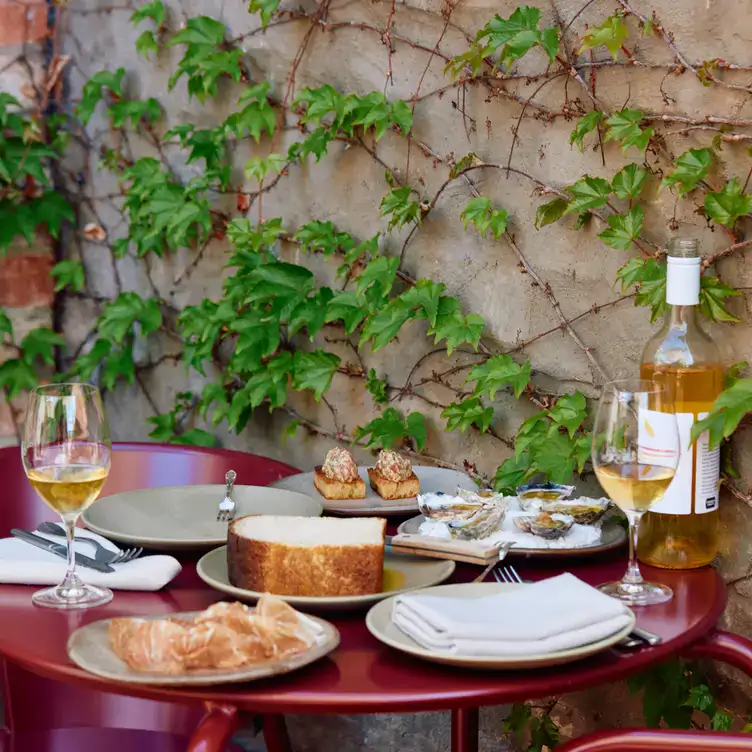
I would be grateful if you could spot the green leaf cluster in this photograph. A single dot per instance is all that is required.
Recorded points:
(611, 34)
(390, 430)
(479, 213)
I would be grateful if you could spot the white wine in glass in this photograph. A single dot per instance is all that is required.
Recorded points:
(66, 455)
(635, 455)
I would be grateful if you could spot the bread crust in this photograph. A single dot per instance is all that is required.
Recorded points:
(391, 489)
(338, 489)
(281, 569)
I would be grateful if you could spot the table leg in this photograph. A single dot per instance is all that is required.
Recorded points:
(658, 740)
(723, 646)
(215, 730)
(275, 733)
(465, 730)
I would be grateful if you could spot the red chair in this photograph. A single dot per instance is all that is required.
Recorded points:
(659, 740)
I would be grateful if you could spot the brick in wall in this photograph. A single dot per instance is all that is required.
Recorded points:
(22, 21)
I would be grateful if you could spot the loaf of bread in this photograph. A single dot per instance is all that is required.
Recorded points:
(308, 556)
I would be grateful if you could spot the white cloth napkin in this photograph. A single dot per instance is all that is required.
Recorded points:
(555, 614)
(24, 564)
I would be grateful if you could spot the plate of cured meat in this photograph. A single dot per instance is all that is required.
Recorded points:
(390, 487)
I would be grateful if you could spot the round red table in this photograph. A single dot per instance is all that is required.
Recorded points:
(362, 675)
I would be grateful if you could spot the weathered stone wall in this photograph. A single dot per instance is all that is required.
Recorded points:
(577, 271)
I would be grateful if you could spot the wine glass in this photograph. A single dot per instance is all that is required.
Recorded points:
(635, 455)
(66, 450)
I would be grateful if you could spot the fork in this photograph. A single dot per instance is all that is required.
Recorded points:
(508, 575)
(226, 509)
(503, 550)
(101, 554)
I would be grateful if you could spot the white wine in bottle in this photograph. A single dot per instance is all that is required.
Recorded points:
(681, 530)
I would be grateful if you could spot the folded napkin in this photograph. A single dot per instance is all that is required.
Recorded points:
(24, 564)
(555, 614)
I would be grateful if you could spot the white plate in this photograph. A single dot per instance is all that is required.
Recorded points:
(89, 648)
(401, 574)
(432, 480)
(185, 517)
(613, 535)
(380, 625)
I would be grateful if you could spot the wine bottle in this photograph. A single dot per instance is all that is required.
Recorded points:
(681, 531)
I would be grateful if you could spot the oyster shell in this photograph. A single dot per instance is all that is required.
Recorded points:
(544, 524)
(533, 495)
(442, 507)
(584, 511)
(480, 525)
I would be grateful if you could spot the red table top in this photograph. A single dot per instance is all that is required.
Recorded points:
(362, 675)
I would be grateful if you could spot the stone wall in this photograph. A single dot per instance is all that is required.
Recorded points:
(350, 48)
(26, 292)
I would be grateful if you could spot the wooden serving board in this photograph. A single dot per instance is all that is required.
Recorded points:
(439, 548)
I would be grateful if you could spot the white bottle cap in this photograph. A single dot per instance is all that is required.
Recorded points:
(683, 273)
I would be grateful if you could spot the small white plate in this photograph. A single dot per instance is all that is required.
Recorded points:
(89, 648)
(380, 625)
(172, 518)
(401, 574)
(432, 480)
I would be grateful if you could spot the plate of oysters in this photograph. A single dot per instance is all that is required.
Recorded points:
(540, 520)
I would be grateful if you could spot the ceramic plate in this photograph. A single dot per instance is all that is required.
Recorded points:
(89, 648)
(613, 535)
(380, 625)
(185, 517)
(432, 479)
(401, 573)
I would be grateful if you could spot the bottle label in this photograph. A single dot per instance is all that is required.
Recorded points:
(656, 438)
(707, 473)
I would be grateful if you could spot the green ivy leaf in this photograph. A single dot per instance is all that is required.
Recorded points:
(279, 280)
(41, 343)
(470, 412)
(700, 698)
(119, 364)
(455, 328)
(555, 457)
(258, 338)
(91, 94)
(271, 383)
(691, 168)
(624, 126)
(154, 10)
(550, 212)
(380, 274)
(586, 124)
(727, 412)
(256, 117)
(517, 720)
(390, 430)
(499, 372)
(612, 34)
(424, 296)
(259, 168)
(265, 8)
(511, 473)
(727, 205)
(87, 363)
(629, 181)
(569, 411)
(310, 313)
(52, 210)
(322, 237)
(164, 427)
(6, 326)
(146, 44)
(385, 325)
(623, 229)
(200, 30)
(16, 376)
(479, 212)
(290, 430)
(721, 721)
(314, 371)
(68, 274)
(121, 314)
(348, 308)
(377, 387)
(712, 295)
(587, 193)
(398, 207)
(650, 276)
(194, 437)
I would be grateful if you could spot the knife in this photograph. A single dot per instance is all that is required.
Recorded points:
(59, 550)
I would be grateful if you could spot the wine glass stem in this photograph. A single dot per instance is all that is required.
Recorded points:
(72, 582)
(632, 575)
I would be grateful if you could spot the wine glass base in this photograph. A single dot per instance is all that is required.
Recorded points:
(642, 594)
(84, 596)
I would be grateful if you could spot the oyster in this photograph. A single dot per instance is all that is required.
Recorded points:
(442, 507)
(534, 495)
(480, 525)
(544, 524)
(486, 495)
(584, 511)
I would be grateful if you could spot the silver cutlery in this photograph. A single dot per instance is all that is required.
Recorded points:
(508, 575)
(59, 550)
(226, 509)
(503, 550)
(101, 554)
